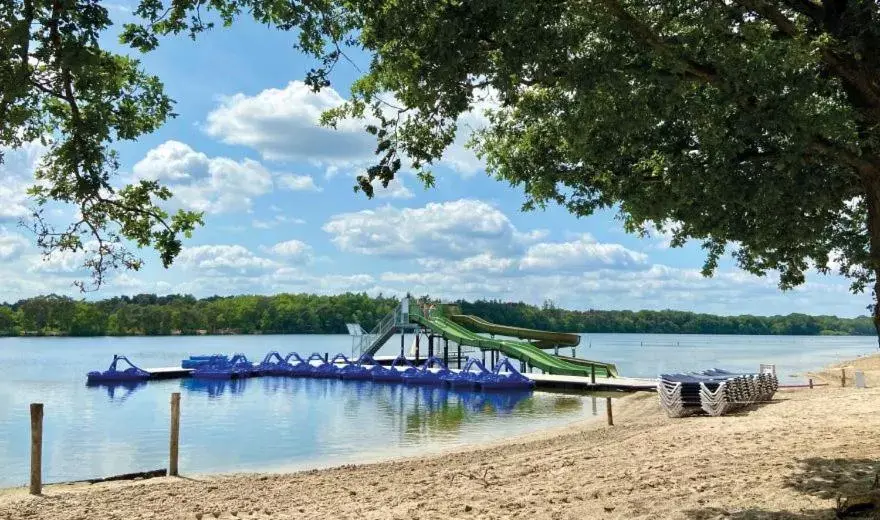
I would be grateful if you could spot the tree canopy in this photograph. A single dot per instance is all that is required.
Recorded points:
(748, 125)
(151, 315)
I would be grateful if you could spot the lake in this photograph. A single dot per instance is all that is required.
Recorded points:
(279, 424)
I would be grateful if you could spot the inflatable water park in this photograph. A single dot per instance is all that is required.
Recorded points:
(518, 358)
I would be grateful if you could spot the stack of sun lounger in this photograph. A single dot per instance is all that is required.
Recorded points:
(714, 392)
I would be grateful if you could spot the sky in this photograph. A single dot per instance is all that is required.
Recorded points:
(281, 214)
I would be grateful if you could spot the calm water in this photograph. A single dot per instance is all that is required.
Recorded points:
(281, 424)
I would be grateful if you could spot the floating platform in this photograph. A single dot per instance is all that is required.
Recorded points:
(542, 381)
(625, 384)
(169, 373)
(560, 382)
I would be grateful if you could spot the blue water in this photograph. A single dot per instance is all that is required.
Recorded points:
(276, 424)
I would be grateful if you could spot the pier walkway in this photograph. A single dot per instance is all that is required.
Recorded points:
(542, 381)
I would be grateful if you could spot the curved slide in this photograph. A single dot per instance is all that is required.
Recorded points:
(544, 338)
(520, 350)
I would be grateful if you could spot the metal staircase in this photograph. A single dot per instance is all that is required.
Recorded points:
(393, 322)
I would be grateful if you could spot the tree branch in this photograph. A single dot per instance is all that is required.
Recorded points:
(847, 69)
(808, 8)
(644, 33)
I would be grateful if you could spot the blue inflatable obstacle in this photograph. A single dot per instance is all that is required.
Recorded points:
(505, 377)
(312, 370)
(274, 365)
(299, 368)
(236, 368)
(470, 376)
(114, 375)
(200, 361)
(362, 369)
(392, 373)
(331, 369)
(430, 373)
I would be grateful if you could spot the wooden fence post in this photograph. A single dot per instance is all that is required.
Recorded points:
(593, 374)
(842, 377)
(174, 443)
(36, 448)
(608, 409)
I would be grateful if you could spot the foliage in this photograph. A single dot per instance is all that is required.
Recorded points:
(748, 125)
(148, 314)
(752, 126)
(59, 87)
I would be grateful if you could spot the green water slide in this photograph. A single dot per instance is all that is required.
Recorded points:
(543, 338)
(521, 350)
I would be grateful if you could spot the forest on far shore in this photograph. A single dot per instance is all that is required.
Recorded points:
(150, 315)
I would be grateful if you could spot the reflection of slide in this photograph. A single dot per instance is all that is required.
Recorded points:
(520, 350)
(546, 339)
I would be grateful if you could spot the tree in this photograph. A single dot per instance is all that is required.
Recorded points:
(7, 320)
(59, 87)
(752, 126)
(748, 125)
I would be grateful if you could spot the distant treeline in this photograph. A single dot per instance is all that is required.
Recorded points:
(148, 314)
(550, 317)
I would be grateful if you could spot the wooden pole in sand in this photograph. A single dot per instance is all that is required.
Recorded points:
(608, 409)
(174, 443)
(811, 383)
(842, 377)
(36, 448)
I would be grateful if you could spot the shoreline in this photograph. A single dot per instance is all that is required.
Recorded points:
(790, 458)
(583, 422)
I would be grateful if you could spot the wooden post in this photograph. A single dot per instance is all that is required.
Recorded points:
(842, 377)
(402, 339)
(36, 448)
(417, 345)
(459, 355)
(446, 351)
(326, 357)
(174, 443)
(431, 345)
(608, 409)
(811, 383)
(593, 374)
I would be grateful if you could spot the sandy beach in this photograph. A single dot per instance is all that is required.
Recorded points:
(792, 458)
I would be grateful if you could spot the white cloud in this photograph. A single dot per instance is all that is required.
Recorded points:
(583, 254)
(455, 229)
(484, 262)
(222, 259)
(298, 182)
(394, 190)
(59, 262)
(11, 245)
(128, 281)
(458, 156)
(294, 250)
(276, 220)
(284, 125)
(17, 174)
(202, 183)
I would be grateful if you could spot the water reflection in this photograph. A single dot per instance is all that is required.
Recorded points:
(214, 387)
(118, 391)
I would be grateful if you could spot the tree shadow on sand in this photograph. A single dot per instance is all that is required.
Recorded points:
(853, 485)
(717, 513)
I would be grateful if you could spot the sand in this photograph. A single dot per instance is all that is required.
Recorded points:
(870, 365)
(788, 459)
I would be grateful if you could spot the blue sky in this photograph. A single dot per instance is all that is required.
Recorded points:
(281, 214)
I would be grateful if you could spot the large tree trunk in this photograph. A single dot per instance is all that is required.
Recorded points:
(871, 181)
